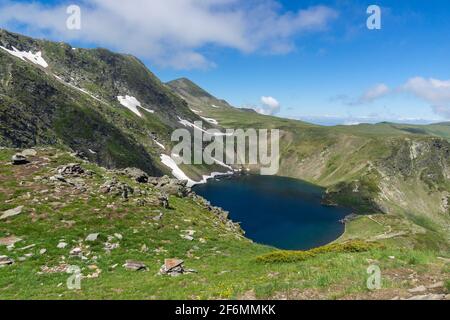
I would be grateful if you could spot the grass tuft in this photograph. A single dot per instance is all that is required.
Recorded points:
(282, 256)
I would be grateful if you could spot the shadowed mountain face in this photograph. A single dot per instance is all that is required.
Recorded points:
(71, 99)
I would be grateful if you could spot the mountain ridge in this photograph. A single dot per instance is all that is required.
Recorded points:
(58, 210)
(72, 101)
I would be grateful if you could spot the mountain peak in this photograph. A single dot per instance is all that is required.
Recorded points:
(195, 95)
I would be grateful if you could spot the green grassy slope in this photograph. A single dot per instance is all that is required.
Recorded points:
(228, 266)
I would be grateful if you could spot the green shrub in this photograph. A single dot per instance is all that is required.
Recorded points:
(283, 256)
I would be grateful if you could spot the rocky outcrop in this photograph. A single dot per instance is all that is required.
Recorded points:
(174, 267)
(221, 214)
(173, 187)
(72, 169)
(11, 213)
(135, 265)
(117, 188)
(19, 159)
(136, 174)
(5, 261)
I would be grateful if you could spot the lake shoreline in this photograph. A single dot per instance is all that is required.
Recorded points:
(286, 213)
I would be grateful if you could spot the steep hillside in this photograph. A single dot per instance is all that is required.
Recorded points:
(108, 106)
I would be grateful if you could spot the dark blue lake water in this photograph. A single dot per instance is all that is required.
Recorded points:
(281, 212)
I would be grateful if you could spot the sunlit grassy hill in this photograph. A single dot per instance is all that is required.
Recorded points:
(59, 215)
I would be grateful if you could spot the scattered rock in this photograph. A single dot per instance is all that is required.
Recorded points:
(163, 201)
(42, 251)
(118, 236)
(61, 245)
(135, 265)
(137, 174)
(29, 153)
(111, 246)
(158, 217)
(57, 178)
(187, 237)
(96, 273)
(174, 267)
(62, 268)
(11, 212)
(28, 247)
(160, 182)
(73, 169)
(174, 187)
(4, 261)
(76, 252)
(19, 159)
(189, 232)
(418, 289)
(9, 241)
(436, 285)
(92, 237)
(117, 188)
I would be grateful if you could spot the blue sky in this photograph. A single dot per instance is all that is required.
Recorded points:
(317, 59)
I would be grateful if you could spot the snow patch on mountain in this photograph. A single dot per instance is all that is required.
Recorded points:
(130, 103)
(35, 58)
(79, 89)
(210, 120)
(176, 171)
(148, 110)
(180, 175)
(159, 144)
(220, 163)
(187, 123)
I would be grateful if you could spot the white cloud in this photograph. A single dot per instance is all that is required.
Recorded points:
(433, 91)
(270, 106)
(374, 93)
(270, 102)
(173, 32)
